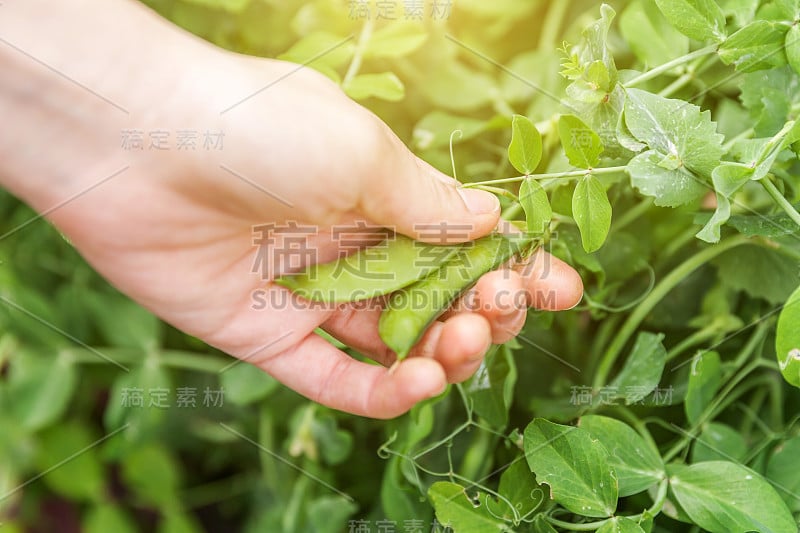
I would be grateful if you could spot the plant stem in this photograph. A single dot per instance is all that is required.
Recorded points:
(659, 292)
(512, 212)
(695, 338)
(552, 24)
(781, 200)
(638, 424)
(553, 175)
(746, 134)
(358, 54)
(632, 214)
(676, 85)
(589, 526)
(496, 190)
(666, 67)
(219, 490)
(711, 410)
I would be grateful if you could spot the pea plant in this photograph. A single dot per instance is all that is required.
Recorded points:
(651, 144)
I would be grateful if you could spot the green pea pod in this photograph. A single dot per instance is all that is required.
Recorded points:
(787, 340)
(370, 272)
(411, 310)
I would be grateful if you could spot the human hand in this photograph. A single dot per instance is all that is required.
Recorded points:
(175, 229)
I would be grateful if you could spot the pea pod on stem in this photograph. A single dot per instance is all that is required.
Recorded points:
(370, 272)
(411, 310)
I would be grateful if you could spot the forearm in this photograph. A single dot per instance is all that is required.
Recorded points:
(75, 75)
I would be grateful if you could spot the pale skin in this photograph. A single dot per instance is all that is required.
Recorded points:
(173, 229)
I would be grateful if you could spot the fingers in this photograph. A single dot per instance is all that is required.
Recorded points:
(493, 311)
(328, 376)
(550, 283)
(462, 345)
(409, 195)
(501, 299)
(457, 344)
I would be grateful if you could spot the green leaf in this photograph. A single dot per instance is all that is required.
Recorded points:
(80, 478)
(724, 497)
(789, 9)
(436, 128)
(782, 469)
(445, 89)
(677, 130)
(646, 521)
(134, 399)
(152, 474)
(541, 525)
(758, 156)
(719, 442)
(652, 40)
(536, 205)
(32, 326)
(42, 394)
(643, 368)
(770, 226)
(108, 517)
(335, 443)
(593, 86)
(670, 188)
(728, 178)
(176, 521)
(328, 513)
(518, 485)
(702, 20)
(769, 95)
(594, 49)
(766, 151)
(582, 145)
(386, 86)
(787, 339)
(743, 269)
(575, 466)
(320, 48)
(530, 73)
(793, 47)
(570, 249)
(757, 46)
(620, 524)
(525, 150)
(244, 384)
(741, 11)
(123, 322)
(637, 464)
(464, 514)
(592, 212)
(400, 500)
(491, 388)
(705, 379)
(396, 40)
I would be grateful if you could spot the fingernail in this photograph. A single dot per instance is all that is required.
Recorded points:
(479, 202)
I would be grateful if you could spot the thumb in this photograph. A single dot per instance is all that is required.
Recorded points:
(408, 195)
